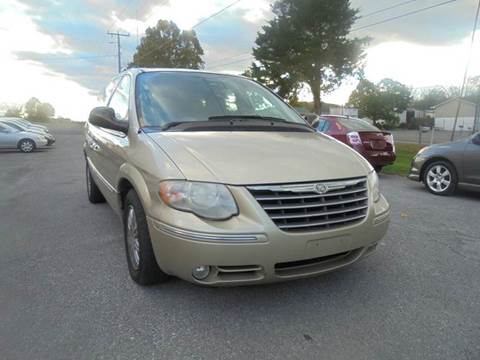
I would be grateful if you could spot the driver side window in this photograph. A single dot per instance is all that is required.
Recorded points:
(120, 99)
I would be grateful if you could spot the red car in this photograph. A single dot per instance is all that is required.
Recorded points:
(375, 145)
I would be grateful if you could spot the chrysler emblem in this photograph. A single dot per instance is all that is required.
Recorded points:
(320, 188)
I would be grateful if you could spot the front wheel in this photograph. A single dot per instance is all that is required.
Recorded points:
(26, 145)
(378, 168)
(440, 178)
(142, 264)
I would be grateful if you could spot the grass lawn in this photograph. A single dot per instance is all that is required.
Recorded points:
(405, 153)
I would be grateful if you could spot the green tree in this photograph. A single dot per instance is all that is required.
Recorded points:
(38, 111)
(45, 111)
(14, 111)
(279, 80)
(31, 108)
(309, 39)
(427, 99)
(381, 101)
(165, 45)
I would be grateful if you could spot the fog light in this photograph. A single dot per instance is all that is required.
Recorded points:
(201, 272)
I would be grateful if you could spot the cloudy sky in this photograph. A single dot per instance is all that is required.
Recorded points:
(59, 51)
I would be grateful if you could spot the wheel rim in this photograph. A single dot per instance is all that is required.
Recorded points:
(26, 146)
(439, 178)
(133, 243)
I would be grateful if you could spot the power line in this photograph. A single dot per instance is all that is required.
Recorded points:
(233, 62)
(403, 15)
(386, 9)
(220, 61)
(119, 52)
(465, 75)
(216, 64)
(197, 24)
(215, 14)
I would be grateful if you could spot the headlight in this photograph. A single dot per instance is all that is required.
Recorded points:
(421, 151)
(206, 200)
(374, 185)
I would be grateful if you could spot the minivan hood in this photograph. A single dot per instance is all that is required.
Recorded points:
(243, 158)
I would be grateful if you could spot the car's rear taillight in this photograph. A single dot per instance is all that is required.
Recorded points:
(353, 138)
(389, 139)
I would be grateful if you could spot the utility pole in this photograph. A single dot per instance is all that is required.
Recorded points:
(465, 76)
(119, 52)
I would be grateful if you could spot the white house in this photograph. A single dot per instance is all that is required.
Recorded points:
(444, 114)
(410, 114)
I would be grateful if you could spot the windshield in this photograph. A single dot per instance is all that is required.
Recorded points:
(357, 124)
(15, 126)
(171, 97)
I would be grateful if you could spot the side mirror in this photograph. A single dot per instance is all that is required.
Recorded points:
(104, 117)
(476, 139)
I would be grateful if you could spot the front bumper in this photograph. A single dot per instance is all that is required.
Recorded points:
(380, 158)
(265, 256)
(50, 141)
(416, 168)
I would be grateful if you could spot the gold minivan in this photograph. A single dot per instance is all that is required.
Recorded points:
(220, 182)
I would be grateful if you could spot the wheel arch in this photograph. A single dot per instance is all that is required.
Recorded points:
(131, 178)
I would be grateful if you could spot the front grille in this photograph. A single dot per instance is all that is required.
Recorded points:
(314, 206)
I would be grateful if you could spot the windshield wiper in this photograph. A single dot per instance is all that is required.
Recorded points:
(238, 122)
(249, 117)
(166, 126)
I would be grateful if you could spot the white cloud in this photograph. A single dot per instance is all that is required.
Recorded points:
(414, 65)
(24, 79)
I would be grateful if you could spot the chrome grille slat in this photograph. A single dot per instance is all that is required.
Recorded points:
(313, 205)
(264, 198)
(320, 223)
(316, 214)
(303, 207)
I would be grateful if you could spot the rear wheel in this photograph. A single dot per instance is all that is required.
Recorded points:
(142, 264)
(93, 192)
(440, 178)
(26, 145)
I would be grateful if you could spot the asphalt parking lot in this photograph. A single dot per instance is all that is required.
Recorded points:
(65, 291)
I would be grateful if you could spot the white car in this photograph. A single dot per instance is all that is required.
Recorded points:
(20, 127)
(27, 124)
(11, 138)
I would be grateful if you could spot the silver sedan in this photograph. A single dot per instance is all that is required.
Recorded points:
(24, 141)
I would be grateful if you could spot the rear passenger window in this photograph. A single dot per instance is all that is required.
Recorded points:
(119, 100)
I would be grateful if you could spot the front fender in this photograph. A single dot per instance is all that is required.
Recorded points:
(129, 173)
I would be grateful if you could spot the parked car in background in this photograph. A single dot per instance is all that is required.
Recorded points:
(20, 127)
(444, 167)
(27, 123)
(219, 182)
(375, 145)
(12, 138)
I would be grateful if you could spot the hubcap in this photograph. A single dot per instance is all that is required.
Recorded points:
(439, 178)
(133, 244)
(26, 146)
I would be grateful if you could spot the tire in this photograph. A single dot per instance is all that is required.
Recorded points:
(26, 145)
(142, 265)
(378, 168)
(93, 192)
(440, 178)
